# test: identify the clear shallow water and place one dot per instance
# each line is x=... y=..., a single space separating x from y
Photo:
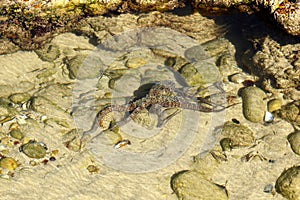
x=69 y=171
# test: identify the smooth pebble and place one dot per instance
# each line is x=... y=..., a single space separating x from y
x=254 y=106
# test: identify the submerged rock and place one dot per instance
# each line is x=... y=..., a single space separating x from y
x=34 y=149
x=48 y=53
x=294 y=140
x=7 y=109
x=288 y=183
x=72 y=140
x=277 y=66
x=290 y=112
x=19 y=97
x=235 y=136
x=254 y=106
x=8 y=163
x=192 y=185
x=80 y=67
x=45 y=106
x=17 y=134
x=274 y=104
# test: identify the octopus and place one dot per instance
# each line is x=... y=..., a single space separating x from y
x=160 y=95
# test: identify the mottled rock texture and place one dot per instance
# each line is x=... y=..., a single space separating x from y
x=31 y=24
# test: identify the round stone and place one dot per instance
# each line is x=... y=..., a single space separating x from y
x=254 y=106
x=34 y=149
x=8 y=163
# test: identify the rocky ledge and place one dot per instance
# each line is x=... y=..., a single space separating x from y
x=30 y=24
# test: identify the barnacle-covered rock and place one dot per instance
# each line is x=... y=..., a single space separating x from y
x=192 y=185
x=288 y=182
x=277 y=66
x=41 y=20
x=290 y=112
x=288 y=16
x=254 y=106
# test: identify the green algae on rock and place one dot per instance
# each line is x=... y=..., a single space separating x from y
x=192 y=185
x=46 y=73
x=254 y=106
x=288 y=182
x=226 y=144
x=34 y=149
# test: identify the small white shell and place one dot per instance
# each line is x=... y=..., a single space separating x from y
x=43 y=118
x=122 y=143
x=268 y=117
x=21 y=119
x=24 y=106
